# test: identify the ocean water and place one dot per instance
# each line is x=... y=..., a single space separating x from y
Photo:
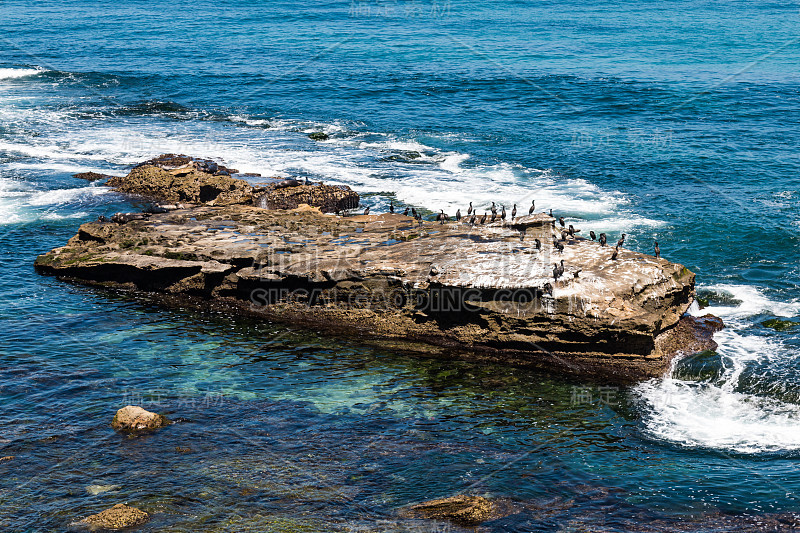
x=676 y=121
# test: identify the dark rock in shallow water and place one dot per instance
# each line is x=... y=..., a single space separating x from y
x=318 y=136
x=91 y=176
x=118 y=517
x=780 y=325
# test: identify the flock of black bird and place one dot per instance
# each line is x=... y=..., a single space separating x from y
x=472 y=214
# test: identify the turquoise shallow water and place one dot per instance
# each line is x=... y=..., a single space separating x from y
x=670 y=121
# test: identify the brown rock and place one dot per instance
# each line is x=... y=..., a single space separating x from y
x=118 y=517
x=6 y=458
x=193 y=186
x=133 y=419
x=91 y=176
x=463 y=510
x=328 y=198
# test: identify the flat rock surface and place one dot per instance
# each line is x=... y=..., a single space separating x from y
x=482 y=292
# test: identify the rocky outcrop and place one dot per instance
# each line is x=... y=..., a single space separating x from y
x=134 y=419
x=118 y=517
x=328 y=198
x=184 y=184
x=481 y=293
x=463 y=510
x=176 y=179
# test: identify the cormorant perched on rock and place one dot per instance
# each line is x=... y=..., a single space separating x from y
x=494 y=209
x=575 y=275
x=494 y=215
x=551 y=211
x=458 y=215
x=547 y=289
x=503 y=213
x=483 y=218
x=472 y=219
x=366 y=211
x=571 y=231
x=603 y=239
x=514 y=212
x=405 y=213
x=533 y=206
x=592 y=235
x=621 y=241
x=537 y=243
x=443 y=217
x=564 y=235
x=614 y=255
x=413 y=212
x=469 y=211
x=561 y=221
x=391 y=206
x=559 y=246
x=658 y=250
x=558 y=270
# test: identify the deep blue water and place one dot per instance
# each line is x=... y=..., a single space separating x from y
x=675 y=121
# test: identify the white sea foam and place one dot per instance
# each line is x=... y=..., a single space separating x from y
x=751 y=301
x=713 y=415
x=719 y=415
x=19 y=202
x=11 y=73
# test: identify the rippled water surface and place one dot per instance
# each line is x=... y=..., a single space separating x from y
x=676 y=122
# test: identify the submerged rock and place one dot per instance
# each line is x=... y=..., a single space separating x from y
x=463 y=510
x=94 y=490
x=120 y=516
x=318 y=136
x=134 y=419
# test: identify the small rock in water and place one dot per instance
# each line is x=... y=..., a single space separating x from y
x=6 y=458
x=94 y=490
x=461 y=509
x=318 y=136
x=91 y=176
x=780 y=325
x=118 y=517
x=132 y=419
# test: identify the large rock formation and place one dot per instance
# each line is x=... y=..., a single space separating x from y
x=447 y=290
